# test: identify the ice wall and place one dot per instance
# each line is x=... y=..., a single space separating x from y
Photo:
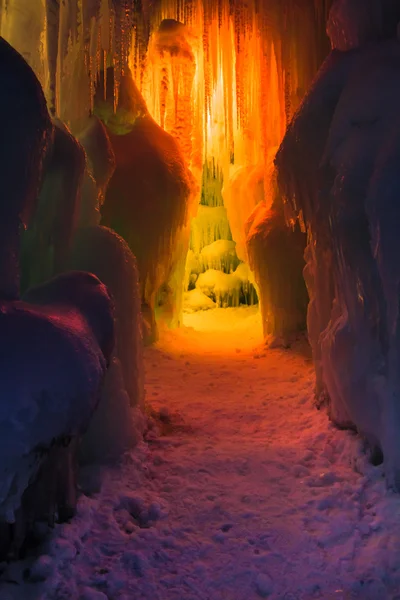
x=337 y=170
x=55 y=348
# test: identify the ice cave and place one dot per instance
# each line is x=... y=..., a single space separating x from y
x=199 y=304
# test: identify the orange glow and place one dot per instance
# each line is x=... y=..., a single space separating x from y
x=214 y=83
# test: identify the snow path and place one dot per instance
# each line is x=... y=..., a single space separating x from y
x=247 y=492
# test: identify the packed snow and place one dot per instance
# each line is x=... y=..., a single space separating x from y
x=241 y=490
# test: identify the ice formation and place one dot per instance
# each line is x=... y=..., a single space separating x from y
x=101 y=251
x=222 y=79
x=149 y=198
x=209 y=225
x=51 y=230
x=347 y=201
x=276 y=258
x=241 y=193
x=353 y=23
x=22 y=155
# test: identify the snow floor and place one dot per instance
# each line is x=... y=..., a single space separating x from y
x=243 y=490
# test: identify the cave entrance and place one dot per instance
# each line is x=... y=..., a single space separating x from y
x=219 y=288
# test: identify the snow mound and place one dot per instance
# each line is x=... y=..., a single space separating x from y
x=196 y=300
x=224 y=287
x=220 y=255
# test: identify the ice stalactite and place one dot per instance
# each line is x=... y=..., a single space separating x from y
x=336 y=169
x=168 y=81
x=199 y=64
